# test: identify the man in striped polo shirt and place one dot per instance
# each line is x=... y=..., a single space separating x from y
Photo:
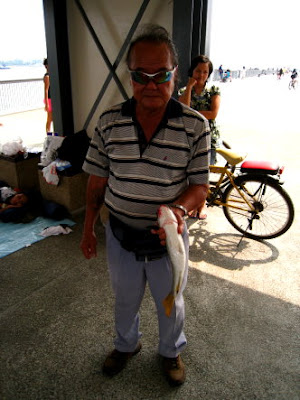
x=147 y=151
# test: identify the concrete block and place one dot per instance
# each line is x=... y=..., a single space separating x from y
x=19 y=172
x=70 y=191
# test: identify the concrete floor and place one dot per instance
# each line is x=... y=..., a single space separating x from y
x=242 y=303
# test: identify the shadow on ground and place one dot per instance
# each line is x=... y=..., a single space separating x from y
x=228 y=250
x=57 y=327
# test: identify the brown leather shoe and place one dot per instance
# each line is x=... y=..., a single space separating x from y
x=117 y=360
x=174 y=370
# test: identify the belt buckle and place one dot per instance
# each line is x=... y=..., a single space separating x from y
x=147 y=258
x=142 y=258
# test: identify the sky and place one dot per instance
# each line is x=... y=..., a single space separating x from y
x=22 y=30
x=256 y=33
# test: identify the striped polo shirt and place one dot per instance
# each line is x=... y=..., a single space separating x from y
x=142 y=176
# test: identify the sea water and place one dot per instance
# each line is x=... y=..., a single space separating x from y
x=22 y=72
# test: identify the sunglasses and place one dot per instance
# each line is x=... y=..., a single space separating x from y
x=160 y=77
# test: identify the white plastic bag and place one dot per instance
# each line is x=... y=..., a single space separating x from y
x=49 y=153
x=14 y=147
x=56 y=230
x=50 y=174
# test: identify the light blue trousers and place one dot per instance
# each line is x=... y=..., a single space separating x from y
x=129 y=278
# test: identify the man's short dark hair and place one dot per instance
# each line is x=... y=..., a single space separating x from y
x=45 y=62
x=152 y=33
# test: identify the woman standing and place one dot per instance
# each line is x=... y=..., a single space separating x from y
x=47 y=97
x=205 y=100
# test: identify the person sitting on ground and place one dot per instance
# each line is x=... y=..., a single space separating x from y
x=14 y=204
x=10 y=198
x=24 y=206
x=227 y=76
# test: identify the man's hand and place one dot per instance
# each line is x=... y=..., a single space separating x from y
x=95 y=195
x=88 y=245
x=161 y=232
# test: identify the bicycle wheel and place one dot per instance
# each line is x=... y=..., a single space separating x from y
x=274 y=210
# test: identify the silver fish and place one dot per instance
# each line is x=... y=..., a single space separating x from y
x=176 y=251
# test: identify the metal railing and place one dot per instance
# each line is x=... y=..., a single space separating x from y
x=21 y=95
x=249 y=73
x=25 y=95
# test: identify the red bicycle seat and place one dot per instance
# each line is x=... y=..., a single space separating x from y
x=263 y=167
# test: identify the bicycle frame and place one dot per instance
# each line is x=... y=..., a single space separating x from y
x=224 y=171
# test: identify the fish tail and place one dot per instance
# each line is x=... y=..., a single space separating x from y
x=168 y=303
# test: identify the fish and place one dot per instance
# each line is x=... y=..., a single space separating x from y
x=176 y=251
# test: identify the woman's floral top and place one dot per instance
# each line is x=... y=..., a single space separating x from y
x=202 y=102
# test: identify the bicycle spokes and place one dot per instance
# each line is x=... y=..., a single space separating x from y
x=270 y=213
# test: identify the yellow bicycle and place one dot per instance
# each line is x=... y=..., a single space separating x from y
x=252 y=196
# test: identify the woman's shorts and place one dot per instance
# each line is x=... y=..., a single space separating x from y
x=49 y=105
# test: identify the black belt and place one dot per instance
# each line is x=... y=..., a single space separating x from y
x=148 y=257
x=143 y=243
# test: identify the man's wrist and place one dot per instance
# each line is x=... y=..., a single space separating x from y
x=180 y=207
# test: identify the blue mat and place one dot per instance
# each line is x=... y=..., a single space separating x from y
x=16 y=236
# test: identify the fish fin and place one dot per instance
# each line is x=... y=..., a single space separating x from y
x=168 y=303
